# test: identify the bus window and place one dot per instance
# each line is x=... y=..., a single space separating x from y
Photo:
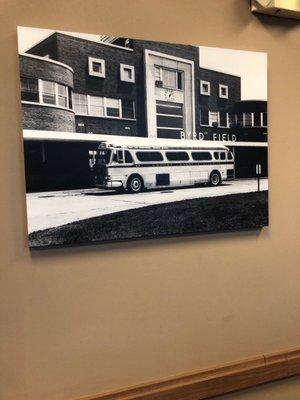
x=120 y=156
x=177 y=156
x=149 y=156
x=104 y=156
x=223 y=155
x=216 y=155
x=128 y=157
x=201 y=155
x=230 y=155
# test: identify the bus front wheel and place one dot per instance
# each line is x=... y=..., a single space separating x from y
x=215 y=178
x=135 y=184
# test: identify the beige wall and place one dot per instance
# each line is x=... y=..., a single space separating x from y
x=80 y=321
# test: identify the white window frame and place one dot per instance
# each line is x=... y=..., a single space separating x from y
x=210 y=117
x=122 y=73
x=40 y=90
x=219 y=123
x=223 y=96
x=104 y=108
x=244 y=120
x=177 y=71
x=201 y=88
x=98 y=61
x=262 y=120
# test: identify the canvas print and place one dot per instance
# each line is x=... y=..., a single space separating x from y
x=127 y=139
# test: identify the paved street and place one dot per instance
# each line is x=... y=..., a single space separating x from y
x=51 y=209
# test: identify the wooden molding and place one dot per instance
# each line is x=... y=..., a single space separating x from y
x=214 y=381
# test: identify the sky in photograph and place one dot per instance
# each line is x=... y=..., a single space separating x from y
x=249 y=65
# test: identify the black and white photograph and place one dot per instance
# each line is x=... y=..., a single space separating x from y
x=129 y=139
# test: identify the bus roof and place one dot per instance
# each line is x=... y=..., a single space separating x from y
x=160 y=144
x=219 y=147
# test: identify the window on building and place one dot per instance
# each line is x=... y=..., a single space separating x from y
x=223 y=91
x=264 y=119
x=177 y=156
x=48 y=92
x=223 y=119
x=29 y=89
x=247 y=119
x=213 y=118
x=97 y=106
x=128 y=109
x=96 y=67
x=70 y=98
x=257 y=119
x=80 y=104
x=201 y=155
x=204 y=117
x=149 y=156
x=240 y=119
x=232 y=119
x=112 y=107
x=205 y=88
x=168 y=78
x=62 y=95
x=127 y=73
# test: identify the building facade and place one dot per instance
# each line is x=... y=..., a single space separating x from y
x=129 y=88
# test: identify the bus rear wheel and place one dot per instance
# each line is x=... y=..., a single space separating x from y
x=215 y=178
x=135 y=184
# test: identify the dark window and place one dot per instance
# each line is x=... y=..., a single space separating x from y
x=177 y=156
x=204 y=118
x=112 y=107
x=70 y=97
x=216 y=155
x=97 y=67
x=29 y=89
x=179 y=80
x=232 y=119
x=104 y=156
x=169 y=122
x=166 y=107
x=127 y=109
x=149 y=156
x=265 y=120
x=223 y=118
x=240 y=119
x=128 y=157
x=230 y=155
x=223 y=155
x=201 y=155
x=257 y=119
x=112 y=112
x=120 y=156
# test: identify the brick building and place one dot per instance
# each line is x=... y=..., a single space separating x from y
x=121 y=87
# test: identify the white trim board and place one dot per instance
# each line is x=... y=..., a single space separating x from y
x=56 y=136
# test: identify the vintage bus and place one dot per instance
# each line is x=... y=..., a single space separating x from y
x=134 y=169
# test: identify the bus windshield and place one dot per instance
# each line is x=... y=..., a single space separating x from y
x=103 y=156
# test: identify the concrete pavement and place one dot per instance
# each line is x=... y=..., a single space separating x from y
x=52 y=209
